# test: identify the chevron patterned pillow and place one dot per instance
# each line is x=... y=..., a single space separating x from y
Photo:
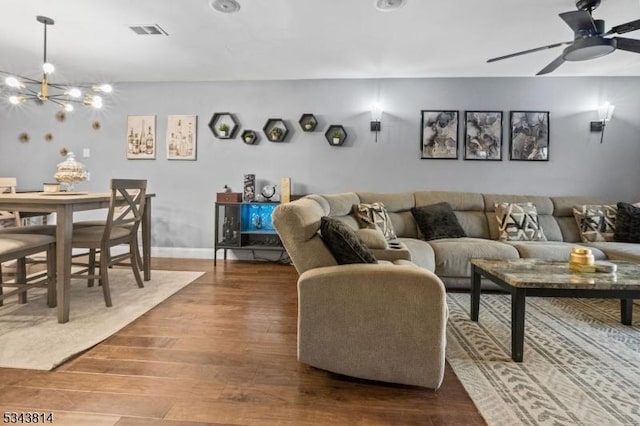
x=518 y=222
x=596 y=222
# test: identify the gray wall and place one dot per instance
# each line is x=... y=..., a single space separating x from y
x=183 y=208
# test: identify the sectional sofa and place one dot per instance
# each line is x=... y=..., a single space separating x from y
x=449 y=258
x=387 y=321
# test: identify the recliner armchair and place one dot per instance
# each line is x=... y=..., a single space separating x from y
x=384 y=321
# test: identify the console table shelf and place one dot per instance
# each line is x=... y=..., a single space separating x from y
x=245 y=226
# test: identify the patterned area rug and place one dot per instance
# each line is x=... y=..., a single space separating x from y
x=581 y=365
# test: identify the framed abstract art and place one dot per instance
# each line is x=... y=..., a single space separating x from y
x=439 y=134
x=483 y=135
x=529 y=139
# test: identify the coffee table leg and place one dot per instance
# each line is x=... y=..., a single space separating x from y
x=626 y=311
x=518 y=303
x=475 y=293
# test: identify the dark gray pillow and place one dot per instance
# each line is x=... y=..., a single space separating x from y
x=437 y=221
x=343 y=242
x=627 y=224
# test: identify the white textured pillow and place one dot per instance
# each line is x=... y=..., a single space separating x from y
x=518 y=222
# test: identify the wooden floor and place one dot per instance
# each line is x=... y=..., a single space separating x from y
x=221 y=351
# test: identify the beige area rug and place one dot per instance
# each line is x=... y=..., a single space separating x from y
x=31 y=338
x=581 y=365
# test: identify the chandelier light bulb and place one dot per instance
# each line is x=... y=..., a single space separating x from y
x=96 y=102
x=74 y=92
x=48 y=68
x=105 y=88
x=67 y=107
x=15 y=100
x=11 y=81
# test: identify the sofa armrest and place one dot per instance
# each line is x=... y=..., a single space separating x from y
x=375 y=321
x=395 y=250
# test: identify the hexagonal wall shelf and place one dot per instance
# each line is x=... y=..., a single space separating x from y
x=308 y=122
x=275 y=129
x=336 y=135
x=249 y=137
x=223 y=125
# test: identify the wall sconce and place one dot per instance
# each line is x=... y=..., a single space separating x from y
x=605 y=112
x=376 y=115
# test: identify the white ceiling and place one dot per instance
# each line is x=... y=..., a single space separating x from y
x=299 y=39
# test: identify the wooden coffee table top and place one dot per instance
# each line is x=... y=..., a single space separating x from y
x=536 y=273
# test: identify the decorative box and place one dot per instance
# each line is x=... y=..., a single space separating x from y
x=228 y=197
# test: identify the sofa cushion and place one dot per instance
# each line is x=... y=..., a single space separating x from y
x=374 y=215
x=597 y=222
x=421 y=253
x=343 y=242
x=627 y=224
x=437 y=221
x=518 y=222
x=549 y=250
x=468 y=207
x=452 y=254
x=617 y=251
x=372 y=238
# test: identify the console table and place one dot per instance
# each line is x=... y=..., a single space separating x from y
x=245 y=226
x=540 y=278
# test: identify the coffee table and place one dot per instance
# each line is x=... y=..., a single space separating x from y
x=541 y=278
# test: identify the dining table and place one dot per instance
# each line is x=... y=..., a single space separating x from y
x=64 y=204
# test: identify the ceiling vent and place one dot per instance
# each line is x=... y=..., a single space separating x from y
x=153 y=29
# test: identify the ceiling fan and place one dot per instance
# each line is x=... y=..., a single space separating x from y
x=589 y=38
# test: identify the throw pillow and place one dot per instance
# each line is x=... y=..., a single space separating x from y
x=518 y=222
x=374 y=215
x=627 y=224
x=343 y=242
x=596 y=222
x=437 y=221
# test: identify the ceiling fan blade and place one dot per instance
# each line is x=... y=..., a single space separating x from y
x=628 y=44
x=524 y=52
x=579 y=20
x=625 y=28
x=552 y=66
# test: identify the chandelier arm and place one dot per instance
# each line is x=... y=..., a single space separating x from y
x=61 y=86
x=56 y=102
x=29 y=92
x=27 y=79
x=57 y=98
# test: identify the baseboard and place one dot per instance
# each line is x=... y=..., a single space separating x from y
x=207 y=253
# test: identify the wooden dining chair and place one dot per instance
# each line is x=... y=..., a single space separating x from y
x=101 y=222
x=11 y=222
x=120 y=228
x=8 y=219
x=17 y=247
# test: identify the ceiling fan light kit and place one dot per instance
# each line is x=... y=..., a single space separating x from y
x=389 y=5
x=589 y=38
x=21 y=89
x=225 y=6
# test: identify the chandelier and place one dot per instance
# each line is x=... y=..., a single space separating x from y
x=21 y=89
